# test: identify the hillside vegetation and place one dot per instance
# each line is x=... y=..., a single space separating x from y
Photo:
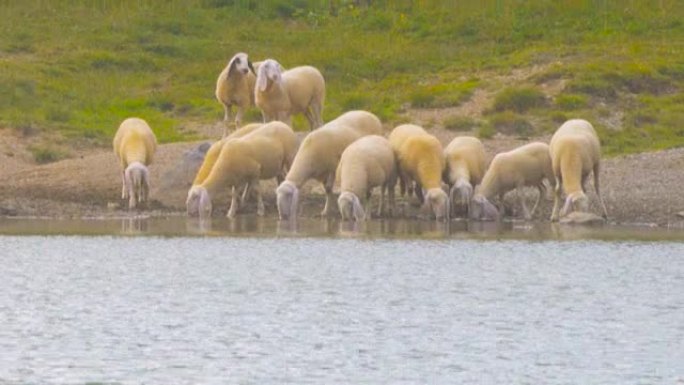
x=80 y=67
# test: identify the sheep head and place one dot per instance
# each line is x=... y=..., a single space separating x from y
x=192 y=201
x=270 y=71
x=438 y=202
x=483 y=209
x=287 y=195
x=350 y=207
x=464 y=190
x=136 y=178
x=576 y=201
x=240 y=62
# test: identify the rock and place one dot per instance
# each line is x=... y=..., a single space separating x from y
x=680 y=214
x=175 y=180
x=582 y=218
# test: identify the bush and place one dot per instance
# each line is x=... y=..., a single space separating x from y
x=519 y=99
x=569 y=102
x=459 y=123
x=46 y=154
x=511 y=124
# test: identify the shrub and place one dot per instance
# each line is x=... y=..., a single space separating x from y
x=511 y=124
x=459 y=123
x=519 y=99
x=569 y=102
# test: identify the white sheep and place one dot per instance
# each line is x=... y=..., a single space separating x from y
x=465 y=167
x=528 y=165
x=575 y=153
x=263 y=154
x=192 y=205
x=420 y=159
x=235 y=87
x=282 y=93
x=319 y=155
x=367 y=163
x=134 y=145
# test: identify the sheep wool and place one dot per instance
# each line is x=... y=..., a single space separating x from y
x=575 y=153
x=134 y=145
x=465 y=167
x=235 y=87
x=319 y=155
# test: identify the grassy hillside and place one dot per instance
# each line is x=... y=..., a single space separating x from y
x=80 y=67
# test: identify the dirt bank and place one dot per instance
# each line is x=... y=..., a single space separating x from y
x=638 y=189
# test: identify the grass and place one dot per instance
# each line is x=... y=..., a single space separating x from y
x=80 y=68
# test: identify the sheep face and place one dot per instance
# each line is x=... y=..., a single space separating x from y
x=137 y=183
x=350 y=207
x=483 y=209
x=287 y=195
x=269 y=72
x=575 y=202
x=240 y=62
x=192 y=202
x=204 y=206
x=438 y=202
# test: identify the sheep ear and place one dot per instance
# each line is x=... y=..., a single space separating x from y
x=262 y=78
x=294 y=202
x=251 y=67
x=359 y=214
x=231 y=63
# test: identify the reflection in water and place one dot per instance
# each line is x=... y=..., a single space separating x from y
x=252 y=225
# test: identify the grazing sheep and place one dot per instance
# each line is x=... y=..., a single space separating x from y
x=465 y=166
x=367 y=163
x=192 y=205
x=575 y=152
x=420 y=158
x=527 y=165
x=134 y=145
x=262 y=154
x=280 y=94
x=319 y=155
x=235 y=87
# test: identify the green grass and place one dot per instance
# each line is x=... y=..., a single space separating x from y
x=80 y=68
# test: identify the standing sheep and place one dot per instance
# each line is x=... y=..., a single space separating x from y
x=235 y=86
x=367 y=163
x=280 y=94
x=575 y=152
x=420 y=158
x=192 y=205
x=262 y=154
x=319 y=155
x=465 y=167
x=134 y=145
x=527 y=165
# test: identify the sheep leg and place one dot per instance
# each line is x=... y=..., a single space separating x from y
x=226 y=120
x=328 y=184
x=521 y=197
x=501 y=205
x=542 y=190
x=245 y=194
x=367 y=205
x=556 y=200
x=316 y=115
x=419 y=192
x=233 y=204
x=260 y=201
x=596 y=187
x=123 y=185
x=238 y=117
x=382 y=199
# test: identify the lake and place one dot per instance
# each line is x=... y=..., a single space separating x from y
x=152 y=300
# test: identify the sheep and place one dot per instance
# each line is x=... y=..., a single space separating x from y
x=319 y=155
x=134 y=145
x=280 y=94
x=192 y=205
x=235 y=86
x=420 y=158
x=261 y=154
x=575 y=152
x=367 y=163
x=527 y=165
x=465 y=166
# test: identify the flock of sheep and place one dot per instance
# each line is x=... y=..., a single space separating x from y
x=352 y=151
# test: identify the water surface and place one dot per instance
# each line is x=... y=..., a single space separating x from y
x=322 y=310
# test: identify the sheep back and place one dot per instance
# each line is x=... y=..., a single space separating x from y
x=575 y=150
x=134 y=141
x=304 y=84
x=526 y=165
x=366 y=163
x=465 y=158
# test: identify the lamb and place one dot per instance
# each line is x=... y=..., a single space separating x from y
x=280 y=94
x=575 y=152
x=262 y=154
x=465 y=166
x=134 y=145
x=192 y=205
x=420 y=158
x=367 y=163
x=235 y=87
x=319 y=155
x=528 y=165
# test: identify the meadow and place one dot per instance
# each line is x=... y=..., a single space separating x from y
x=72 y=70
